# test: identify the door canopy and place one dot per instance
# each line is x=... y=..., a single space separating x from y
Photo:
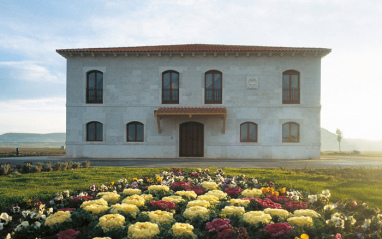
x=190 y=111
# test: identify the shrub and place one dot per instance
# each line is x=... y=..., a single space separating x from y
x=47 y=167
x=85 y=164
x=26 y=167
x=35 y=169
x=58 y=166
x=39 y=165
x=76 y=165
x=69 y=164
x=4 y=169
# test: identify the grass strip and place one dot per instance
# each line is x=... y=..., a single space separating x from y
x=361 y=184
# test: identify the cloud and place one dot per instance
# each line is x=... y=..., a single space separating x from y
x=30 y=71
x=33 y=116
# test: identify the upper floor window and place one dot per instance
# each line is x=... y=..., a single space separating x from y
x=94 y=87
x=213 y=87
x=170 y=87
x=291 y=87
x=291 y=132
x=134 y=132
x=248 y=132
x=94 y=131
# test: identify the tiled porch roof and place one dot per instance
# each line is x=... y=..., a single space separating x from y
x=192 y=110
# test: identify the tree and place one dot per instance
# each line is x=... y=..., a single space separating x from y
x=339 y=138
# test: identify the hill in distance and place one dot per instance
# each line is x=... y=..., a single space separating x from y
x=32 y=140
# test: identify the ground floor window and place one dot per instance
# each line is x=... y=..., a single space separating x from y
x=94 y=131
x=134 y=132
x=291 y=132
x=248 y=132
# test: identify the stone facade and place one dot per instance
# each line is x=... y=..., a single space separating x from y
x=251 y=92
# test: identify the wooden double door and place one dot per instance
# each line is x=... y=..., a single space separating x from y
x=191 y=139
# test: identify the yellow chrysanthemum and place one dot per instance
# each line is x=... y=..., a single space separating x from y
x=125 y=208
x=134 y=199
x=232 y=210
x=306 y=212
x=158 y=188
x=252 y=192
x=111 y=221
x=183 y=229
x=240 y=202
x=174 y=199
x=109 y=196
x=193 y=212
x=277 y=212
x=254 y=217
x=188 y=194
x=58 y=217
x=302 y=221
x=209 y=185
x=160 y=217
x=202 y=203
x=213 y=200
x=143 y=230
x=131 y=191
x=217 y=193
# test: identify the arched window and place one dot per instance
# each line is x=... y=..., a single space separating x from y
x=213 y=87
x=94 y=131
x=291 y=87
x=94 y=87
x=134 y=132
x=291 y=132
x=248 y=132
x=170 y=87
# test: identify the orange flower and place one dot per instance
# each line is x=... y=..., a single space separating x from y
x=283 y=191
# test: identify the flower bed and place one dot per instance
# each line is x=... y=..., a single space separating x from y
x=195 y=204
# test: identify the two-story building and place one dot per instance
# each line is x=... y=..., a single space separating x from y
x=194 y=100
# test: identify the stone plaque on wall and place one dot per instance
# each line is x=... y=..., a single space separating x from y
x=252 y=83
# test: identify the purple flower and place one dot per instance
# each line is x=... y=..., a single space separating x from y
x=68 y=234
x=127 y=185
x=218 y=225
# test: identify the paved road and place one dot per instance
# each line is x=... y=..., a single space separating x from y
x=325 y=162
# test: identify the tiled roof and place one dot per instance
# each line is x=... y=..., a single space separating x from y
x=190 y=110
x=195 y=48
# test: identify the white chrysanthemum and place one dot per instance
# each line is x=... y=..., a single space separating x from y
x=183 y=229
x=109 y=196
x=209 y=185
x=306 y=212
x=160 y=217
x=189 y=194
x=193 y=212
x=239 y=202
x=213 y=200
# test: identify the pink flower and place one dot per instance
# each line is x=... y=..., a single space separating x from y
x=268 y=203
x=233 y=192
x=196 y=189
x=278 y=229
x=292 y=206
x=226 y=234
x=177 y=186
x=163 y=205
x=338 y=236
x=218 y=225
x=279 y=199
x=68 y=234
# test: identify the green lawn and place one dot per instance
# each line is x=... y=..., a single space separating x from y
x=361 y=184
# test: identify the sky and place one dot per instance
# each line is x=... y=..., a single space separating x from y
x=33 y=75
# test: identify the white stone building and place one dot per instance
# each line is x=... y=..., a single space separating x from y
x=197 y=100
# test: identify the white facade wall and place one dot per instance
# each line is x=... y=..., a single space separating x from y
x=132 y=91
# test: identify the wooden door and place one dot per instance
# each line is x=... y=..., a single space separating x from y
x=191 y=139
